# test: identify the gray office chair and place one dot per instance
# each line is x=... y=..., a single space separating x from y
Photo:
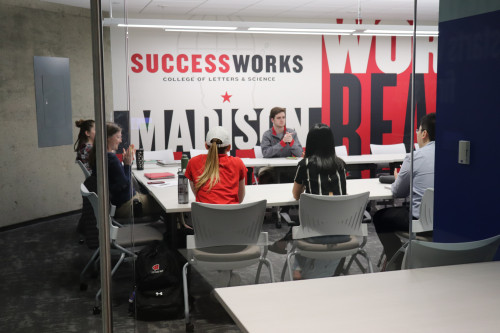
x=398 y=148
x=125 y=241
x=430 y=254
x=166 y=155
x=196 y=152
x=226 y=237
x=86 y=172
x=322 y=215
x=421 y=228
x=341 y=151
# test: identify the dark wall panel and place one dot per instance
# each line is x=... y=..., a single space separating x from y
x=468 y=104
x=53 y=101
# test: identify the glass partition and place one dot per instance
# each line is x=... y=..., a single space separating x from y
x=465 y=77
x=175 y=76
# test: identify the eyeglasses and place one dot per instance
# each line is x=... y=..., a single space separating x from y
x=418 y=130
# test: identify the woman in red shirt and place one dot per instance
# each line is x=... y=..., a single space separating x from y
x=216 y=177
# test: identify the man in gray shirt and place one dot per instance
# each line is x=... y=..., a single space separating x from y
x=279 y=141
x=389 y=220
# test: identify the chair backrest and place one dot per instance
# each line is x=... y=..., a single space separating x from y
x=322 y=215
x=92 y=197
x=219 y=225
x=162 y=155
x=258 y=152
x=430 y=254
x=426 y=218
x=341 y=150
x=196 y=152
x=177 y=155
x=245 y=153
x=86 y=172
x=388 y=149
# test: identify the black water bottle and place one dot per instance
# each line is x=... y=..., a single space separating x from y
x=182 y=188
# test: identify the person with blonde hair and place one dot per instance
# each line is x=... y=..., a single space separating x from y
x=216 y=177
x=85 y=141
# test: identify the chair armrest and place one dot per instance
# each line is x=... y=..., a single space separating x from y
x=364 y=229
x=190 y=242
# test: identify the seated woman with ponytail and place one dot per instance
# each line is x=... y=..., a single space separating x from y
x=217 y=178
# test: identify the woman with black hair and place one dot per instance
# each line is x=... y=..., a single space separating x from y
x=321 y=172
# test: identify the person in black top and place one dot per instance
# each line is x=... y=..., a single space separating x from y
x=321 y=171
x=122 y=193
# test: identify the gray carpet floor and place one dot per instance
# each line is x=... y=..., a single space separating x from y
x=41 y=292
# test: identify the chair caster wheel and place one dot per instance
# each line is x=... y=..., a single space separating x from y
x=96 y=310
x=81 y=241
x=83 y=286
x=278 y=225
x=189 y=327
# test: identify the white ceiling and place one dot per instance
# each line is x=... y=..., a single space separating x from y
x=307 y=11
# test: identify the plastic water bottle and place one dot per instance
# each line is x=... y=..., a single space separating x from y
x=182 y=188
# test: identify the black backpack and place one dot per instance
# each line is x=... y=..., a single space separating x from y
x=158 y=294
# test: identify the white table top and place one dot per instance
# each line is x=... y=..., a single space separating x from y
x=349 y=160
x=461 y=298
x=276 y=194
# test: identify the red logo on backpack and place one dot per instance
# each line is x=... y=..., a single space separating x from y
x=156 y=267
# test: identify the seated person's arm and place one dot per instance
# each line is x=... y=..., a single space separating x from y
x=191 y=183
x=401 y=186
x=268 y=149
x=295 y=146
x=241 y=190
x=297 y=190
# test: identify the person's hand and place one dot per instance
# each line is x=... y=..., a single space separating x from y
x=288 y=137
x=128 y=155
x=396 y=172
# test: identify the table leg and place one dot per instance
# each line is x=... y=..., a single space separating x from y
x=171 y=234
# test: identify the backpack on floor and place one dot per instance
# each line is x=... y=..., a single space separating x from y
x=158 y=294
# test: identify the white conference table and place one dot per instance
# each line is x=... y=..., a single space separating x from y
x=461 y=298
x=275 y=194
x=349 y=160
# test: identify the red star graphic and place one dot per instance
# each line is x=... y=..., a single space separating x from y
x=226 y=97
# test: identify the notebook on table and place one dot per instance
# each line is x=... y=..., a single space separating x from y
x=159 y=175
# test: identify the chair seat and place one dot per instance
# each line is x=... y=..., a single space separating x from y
x=352 y=244
x=227 y=253
x=137 y=235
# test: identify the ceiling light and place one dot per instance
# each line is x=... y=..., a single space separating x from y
x=379 y=32
x=179 y=27
x=198 y=27
x=303 y=30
